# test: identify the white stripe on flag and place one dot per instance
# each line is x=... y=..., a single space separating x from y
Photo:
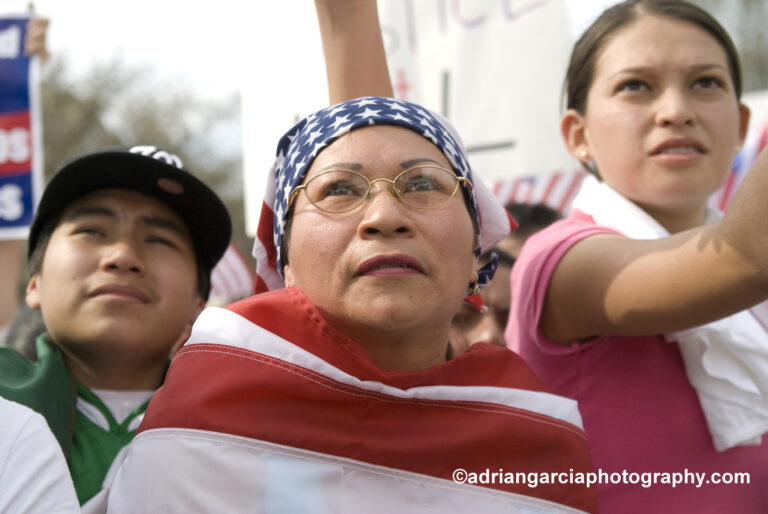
x=168 y=467
x=231 y=279
x=221 y=326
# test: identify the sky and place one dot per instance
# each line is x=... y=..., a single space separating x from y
x=215 y=47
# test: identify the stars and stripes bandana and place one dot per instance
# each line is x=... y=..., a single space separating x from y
x=298 y=148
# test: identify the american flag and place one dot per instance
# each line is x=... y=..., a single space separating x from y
x=555 y=190
x=267 y=408
x=232 y=279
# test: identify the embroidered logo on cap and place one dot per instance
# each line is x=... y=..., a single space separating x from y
x=166 y=184
x=160 y=155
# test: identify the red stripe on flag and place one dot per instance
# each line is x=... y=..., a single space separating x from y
x=727 y=190
x=264 y=234
x=259 y=286
x=513 y=194
x=550 y=186
x=763 y=139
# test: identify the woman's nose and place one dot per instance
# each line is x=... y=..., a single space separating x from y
x=675 y=108
x=384 y=213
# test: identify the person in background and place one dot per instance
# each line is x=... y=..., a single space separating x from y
x=474 y=323
x=483 y=317
x=120 y=254
x=530 y=219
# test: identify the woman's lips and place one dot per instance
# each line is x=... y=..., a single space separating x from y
x=389 y=265
x=678 y=151
x=679 y=146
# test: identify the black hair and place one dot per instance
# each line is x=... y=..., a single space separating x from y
x=531 y=218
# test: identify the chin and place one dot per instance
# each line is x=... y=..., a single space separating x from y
x=403 y=310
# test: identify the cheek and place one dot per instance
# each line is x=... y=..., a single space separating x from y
x=66 y=263
x=609 y=128
x=725 y=123
x=316 y=246
x=176 y=278
x=455 y=238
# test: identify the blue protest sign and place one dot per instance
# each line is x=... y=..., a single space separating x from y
x=20 y=149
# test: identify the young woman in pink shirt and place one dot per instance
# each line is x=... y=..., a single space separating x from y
x=638 y=305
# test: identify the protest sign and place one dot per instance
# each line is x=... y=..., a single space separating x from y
x=20 y=141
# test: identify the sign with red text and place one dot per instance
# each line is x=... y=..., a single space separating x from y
x=20 y=147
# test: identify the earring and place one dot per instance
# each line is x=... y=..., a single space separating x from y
x=583 y=153
x=473 y=288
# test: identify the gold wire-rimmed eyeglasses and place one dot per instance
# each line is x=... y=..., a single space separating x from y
x=421 y=187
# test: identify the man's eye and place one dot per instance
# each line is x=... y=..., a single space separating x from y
x=161 y=240
x=91 y=231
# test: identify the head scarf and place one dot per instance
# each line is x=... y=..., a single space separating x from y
x=298 y=148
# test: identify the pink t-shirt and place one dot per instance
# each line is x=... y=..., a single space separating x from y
x=640 y=413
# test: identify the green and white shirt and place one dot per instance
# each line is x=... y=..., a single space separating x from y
x=101 y=432
x=91 y=426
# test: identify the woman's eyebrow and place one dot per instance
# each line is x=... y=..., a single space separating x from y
x=414 y=162
x=648 y=69
x=354 y=166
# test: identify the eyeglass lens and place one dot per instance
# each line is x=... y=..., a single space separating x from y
x=422 y=187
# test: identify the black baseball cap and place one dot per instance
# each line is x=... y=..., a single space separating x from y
x=153 y=172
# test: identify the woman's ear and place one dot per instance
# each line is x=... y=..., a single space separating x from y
x=290 y=280
x=744 y=115
x=574 y=133
x=473 y=276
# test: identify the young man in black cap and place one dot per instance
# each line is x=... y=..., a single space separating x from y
x=120 y=256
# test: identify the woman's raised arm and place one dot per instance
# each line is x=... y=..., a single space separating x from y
x=355 y=62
